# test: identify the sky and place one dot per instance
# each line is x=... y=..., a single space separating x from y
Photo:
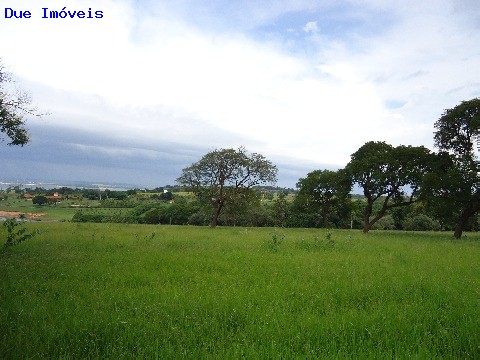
x=148 y=89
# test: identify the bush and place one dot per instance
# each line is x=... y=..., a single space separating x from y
x=421 y=222
x=16 y=236
x=83 y=217
x=40 y=200
x=175 y=214
x=199 y=219
x=385 y=223
x=151 y=216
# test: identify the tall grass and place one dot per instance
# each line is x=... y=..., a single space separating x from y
x=122 y=291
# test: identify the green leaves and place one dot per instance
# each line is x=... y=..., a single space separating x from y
x=323 y=191
x=457 y=129
x=12 y=107
x=16 y=232
x=454 y=189
x=392 y=175
x=221 y=175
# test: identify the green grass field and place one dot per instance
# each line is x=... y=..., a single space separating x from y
x=123 y=291
x=62 y=211
x=59 y=212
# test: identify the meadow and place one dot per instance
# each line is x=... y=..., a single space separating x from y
x=121 y=291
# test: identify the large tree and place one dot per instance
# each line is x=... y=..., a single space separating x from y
x=220 y=176
x=457 y=132
x=323 y=191
x=390 y=176
x=14 y=104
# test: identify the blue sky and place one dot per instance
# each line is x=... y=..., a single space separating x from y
x=148 y=89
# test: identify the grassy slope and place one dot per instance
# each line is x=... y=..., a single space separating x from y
x=109 y=290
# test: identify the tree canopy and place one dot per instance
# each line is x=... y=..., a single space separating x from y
x=221 y=175
x=322 y=191
x=12 y=108
x=387 y=174
x=456 y=185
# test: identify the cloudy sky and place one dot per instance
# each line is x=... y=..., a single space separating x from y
x=146 y=90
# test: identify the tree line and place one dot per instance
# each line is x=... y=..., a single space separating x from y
x=445 y=182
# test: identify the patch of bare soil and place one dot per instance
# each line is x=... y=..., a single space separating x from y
x=17 y=214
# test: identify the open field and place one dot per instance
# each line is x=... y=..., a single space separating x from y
x=62 y=211
x=59 y=212
x=110 y=290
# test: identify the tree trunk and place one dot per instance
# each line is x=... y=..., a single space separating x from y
x=324 y=212
x=216 y=214
x=366 y=220
x=367 y=227
x=469 y=211
x=325 y=220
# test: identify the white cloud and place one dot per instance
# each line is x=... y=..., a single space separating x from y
x=310 y=27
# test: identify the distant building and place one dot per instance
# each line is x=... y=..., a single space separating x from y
x=54 y=198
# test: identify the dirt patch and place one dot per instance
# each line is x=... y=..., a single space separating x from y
x=17 y=214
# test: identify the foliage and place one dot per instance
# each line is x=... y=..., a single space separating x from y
x=239 y=208
x=387 y=222
x=325 y=193
x=91 y=194
x=117 y=195
x=16 y=232
x=97 y=216
x=13 y=106
x=456 y=185
x=275 y=240
x=457 y=129
x=387 y=174
x=221 y=176
x=165 y=196
x=81 y=216
x=175 y=214
x=114 y=203
x=40 y=200
x=421 y=222
x=280 y=209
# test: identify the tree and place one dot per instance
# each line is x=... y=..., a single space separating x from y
x=221 y=175
x=457 y=131
x=322 y=191
x=240 y=208
x=389 y=175
x=280 y=209
x=40 y=200
x=12 y=109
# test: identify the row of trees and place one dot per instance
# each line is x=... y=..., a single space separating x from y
x=445 y=182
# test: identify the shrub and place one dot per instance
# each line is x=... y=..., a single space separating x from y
x=40 y=200
x=16 y=236
x=421 y=222
x=83 y=217
x=385 y=223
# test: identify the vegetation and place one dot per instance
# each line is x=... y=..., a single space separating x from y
x=225 y=176
x=16 y=232
x=99 y=290
x=457 y=184
x=386 y=174
x=116 y=291
x=229 y=187
x=12 y=109
x=324 y=193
